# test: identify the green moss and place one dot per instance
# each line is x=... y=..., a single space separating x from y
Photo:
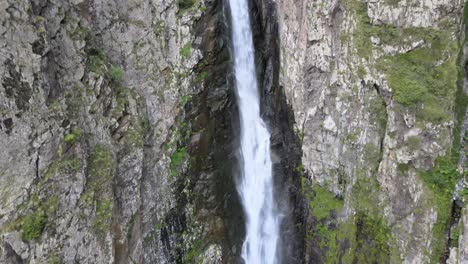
x=323 y=202
x=80 y=33
x=73 y=136
x=441 y=181
x=413 y=143
x=54 y=260
x=185 y=4
x=378 y=113
x=393 y=3
x=184 y=99
x=32 y=225
x=130 y=225
x=363 y=238
x=373 y=239
x=186 y=50
x=159 y=27
x=100 y=170
x=455 y=236
x=65 y=165
x=122 y=99
x=95 y=61
x=402 y=169
x=420 y=82
x=75 y=101
x=103 y=218
x=352 y=137
x=116 y=74
x=371 y=154
x=361 y=72
x=201 y=77
x=365 y=194
x=193 y=255
x=70 y=138
x=177 y=160
x=134 y=138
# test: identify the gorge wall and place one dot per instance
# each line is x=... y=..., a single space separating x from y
x=119 y=130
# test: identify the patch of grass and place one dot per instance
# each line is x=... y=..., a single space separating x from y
x=159 y=27
x=413 y=143
x=134 y=138
x=177 y=160
x=393 y=3
x=100 y=170
x=422 y=80
x=442 y=178
x=201 y=76
x=65 y=165
x=184 y=99
x=103 y=218
x=116 y=74
x=130 y=225
x=193 y=255
x=371 y=154
x=75 y=101
x=372 y=239
x=361 y=72
x=455 y=236
x=185 y=4
x=32 y=225
x=54 y=260
x=95 y=61
x=186 y=50
x=80 y=33
x=378 y=113
x=441 y=181
x=73 y=136
x=323 y=202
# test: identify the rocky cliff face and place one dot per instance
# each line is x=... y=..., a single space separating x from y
x=95 y=101
x=374 y=89
x=119 y=130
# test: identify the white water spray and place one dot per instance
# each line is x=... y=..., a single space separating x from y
x=256 y=184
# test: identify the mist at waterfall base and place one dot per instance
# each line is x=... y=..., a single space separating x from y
x=255 y=185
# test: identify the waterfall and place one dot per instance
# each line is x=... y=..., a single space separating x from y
x=255 y=185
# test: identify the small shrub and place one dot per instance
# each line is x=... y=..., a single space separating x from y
x=33 y=225
x=116 y=74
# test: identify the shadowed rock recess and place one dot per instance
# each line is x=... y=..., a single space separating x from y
x=119 y=130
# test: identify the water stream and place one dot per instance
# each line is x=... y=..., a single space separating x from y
x=255 y=186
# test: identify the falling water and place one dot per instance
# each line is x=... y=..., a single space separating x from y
x=256 y=184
